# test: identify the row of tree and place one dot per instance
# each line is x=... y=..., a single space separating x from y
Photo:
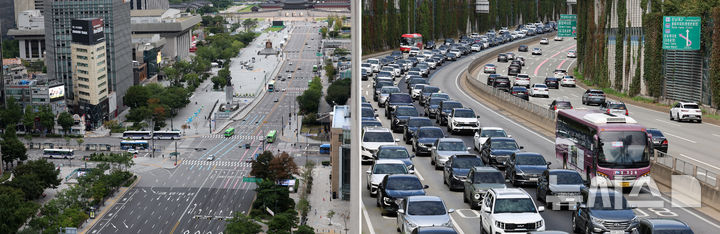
x=309 y=100
x=155 y=102
x=30 y=180
x=34 y=119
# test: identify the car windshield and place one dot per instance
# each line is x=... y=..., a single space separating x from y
x=451 y=105
x=618 y=106
x=430 y=89
x=419 y=122
x=624 y=149
x=365 y=65
x=400 y=98
x=426 y=208
x=440 y=95
x=566 y=177
x=419 y=86
x=540 y=86
x=655 y=133
x=390 y=168
x=493 y=133
x=514 y=205
x=406 y=112
x=530 y=160
x=384 y=74
x=404 y=183
x=373 y=61
x=491 y=177
x=464 y=114
x=371 y=124
x=436 y=101
x=467 y=162
x=563 y=105
x=451 y=146
x=394 y=153
x=390 y=90
x=503 y=145
x=378 y=137
x=691 y=106
x=368 y=113
x=430 y=133
x=604 y=201
x=417 y=81
x=519 y=89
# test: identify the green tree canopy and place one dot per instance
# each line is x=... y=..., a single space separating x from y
x=260 y=165
x=242 y=224
x=14 y=209
x=282 y=167
x=136 y=96
x=45 y=171
x=65 y=120
x=338 y=92
x=282 y=223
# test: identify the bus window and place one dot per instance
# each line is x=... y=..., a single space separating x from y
x=229 y=132
x=271 y=136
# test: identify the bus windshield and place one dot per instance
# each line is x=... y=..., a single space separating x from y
x=621 y=149
x=409 y=41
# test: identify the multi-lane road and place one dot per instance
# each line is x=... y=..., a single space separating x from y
x=198 y=195
x=465 y=220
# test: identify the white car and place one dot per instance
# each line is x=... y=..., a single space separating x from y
x=374 y=64
x=686 y=111
x=544 y=41
x=572 y=54
x=391 y=70
x=416 y=90
x=522 y=80
x=422 y=211
x=211 y=157
x=489 y=68
x=567 y=81
x=427 y=54
x=463 y=119
x=132 y=151
x=372 y=139
x=456 y=52
x=510 y=210
x=414 y=51
x=380 y=169
x=431 y=63
x=485 y=133
x=559 y=74
x=558 y=38
x=537 y=51
x=475 y=47
x=539 y=90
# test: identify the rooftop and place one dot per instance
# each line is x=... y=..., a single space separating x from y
x=341 y=117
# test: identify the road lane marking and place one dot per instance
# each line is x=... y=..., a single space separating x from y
x=367 y=218
x=457 y=227
x=691 y=141
x=417 y=173
x=561 y=63
x=667 y=122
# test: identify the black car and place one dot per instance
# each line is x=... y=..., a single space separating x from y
x=450 y=57
x=502 y=83
x=491 y=78
x=521 y=92
x=368 y=113
x=416 y=80
x=424 y=139
x=601 y=212
x=412 y=125
x=457 y=167
x=426 y=92
x=514 y=69
x=659 y=141
x=497 y=150
x=525 y=168
x=431 y=106
x=449 y=41
x=523 y=48
x=444 y=110
x=430 y=45
x=663 y=225
x=400 y=116
x=396 y=55
x=552 y=82
x=398 y=186
x=502 y=58
x=364 y=74
x=559 y=186
x=378 y=87
x=395 y=100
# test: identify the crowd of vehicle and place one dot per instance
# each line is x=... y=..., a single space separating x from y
x=418 y=111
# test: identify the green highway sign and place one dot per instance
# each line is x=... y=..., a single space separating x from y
x=252 y=179
x=681 y=33
x=567 y=26
x=319 y=54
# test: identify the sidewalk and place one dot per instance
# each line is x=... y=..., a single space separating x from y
x=321 y=203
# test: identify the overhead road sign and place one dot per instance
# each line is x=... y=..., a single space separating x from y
x=567 y=26
x=681 y=33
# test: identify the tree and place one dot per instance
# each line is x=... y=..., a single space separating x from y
x=273 y=196
x=28 y=120
x=330 y=70
x=80 y=141
x=260 y=165
x=330 y=215
x=136 y=96
x=249 y=24
x=175 y=98
x=65 y=120
x=10 y=49
x=138 y=114
x=12 y=113
x=282 y=223
x=44 y=170
x=242 y=224
x=30 y=184
x=304 y=229
x=46 y=118
x=338 y=92
x=14 y=210
x=12 y=148
x=323 y=32
x=282 y=167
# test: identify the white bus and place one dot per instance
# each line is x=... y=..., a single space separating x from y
x=59 y=153
x=166 y=135
x=136 y=135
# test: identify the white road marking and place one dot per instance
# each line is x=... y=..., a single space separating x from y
x=682 y=138
x=691 y=158
x=367 y=218
x=417 y=173
x=457 y=227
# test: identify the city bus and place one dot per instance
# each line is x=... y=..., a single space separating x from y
x=136 y=135
x=315 y=68
x=134 y=145
x=229 y=132
x=271 y=136
x=271 y=86
x=59 y=153
x=610 y=150
x=166 y=135
x=410 y=40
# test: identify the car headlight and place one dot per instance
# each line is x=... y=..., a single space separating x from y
x=500 y=225
x=477 y=196
x=455 y=122
x=411 y=225
x=387 y=200
x=596 y=220
x=538 y=224
x=520 y=173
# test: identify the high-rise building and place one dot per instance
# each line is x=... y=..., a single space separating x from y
x=149 y=4
x=115 y=15
x=89 y=69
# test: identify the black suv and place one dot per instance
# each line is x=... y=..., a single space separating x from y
x=444 y=110
x=400 y=116
x=502 y=58
x=426 y=92
x=604 y=214
x=412 y=125
x=525 y=168
x=502 y=83
x=398 y=186
x=659 y=141
x=395 y=100
x=457 y=167
x=514 y=69
x=491 y=78
x=552 y=82
x=497 y=150
x=520 y=92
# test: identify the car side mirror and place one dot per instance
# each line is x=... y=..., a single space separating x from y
x=426 y=186
x=411 y=171
x=509 y=136
x=451 y=211
x=486 y=209
x=368 y=172
x=522 y=147
x=468 y=148
x=397 y=139
x=401 y=211
x=548 y=163
x=541 y=208
x=433 y=148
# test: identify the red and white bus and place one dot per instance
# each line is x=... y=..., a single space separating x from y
x=410 y=40
x=612 y=150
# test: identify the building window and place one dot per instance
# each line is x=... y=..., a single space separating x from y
x=100 y=48
x=101 y=77
x=80 y=50
x=101 y=69
x=83 y=86
x=84 y=100
x=84 y=93
x=82 y=57
x=101 y=63
x=82 y=71
x=82 y=64
x=100 y=55
x=83 y=79
x=102 y=84
x=102 y=91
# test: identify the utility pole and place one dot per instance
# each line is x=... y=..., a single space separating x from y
x=175 y=140
x=152 y=136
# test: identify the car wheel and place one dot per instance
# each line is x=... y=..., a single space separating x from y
x=677 y=117
x=671 y=117
x=377 y=201
x=587 y=228
x=699 y=121
x=432 y=161
x=465 y=199
x=514 y=182
x=575 y=228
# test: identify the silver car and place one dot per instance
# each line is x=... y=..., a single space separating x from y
x=444 y=148
x=385 y=92
x=422 y=211
x=380 y=169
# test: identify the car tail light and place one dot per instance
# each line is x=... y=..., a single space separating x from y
x=626 y=113
x=608 y=111
x=555 y=108
x=665 y=142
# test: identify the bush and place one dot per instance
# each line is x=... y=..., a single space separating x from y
x=310 y=119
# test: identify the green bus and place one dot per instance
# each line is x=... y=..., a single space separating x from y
x=271 y=136
x=315 y=68
x=229 y=132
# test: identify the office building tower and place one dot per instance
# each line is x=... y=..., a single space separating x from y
x=89 y=70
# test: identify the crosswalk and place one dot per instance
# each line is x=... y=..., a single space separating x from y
x=217 y=163
x=234 y=137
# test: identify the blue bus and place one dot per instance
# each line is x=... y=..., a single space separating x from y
x=134 y=145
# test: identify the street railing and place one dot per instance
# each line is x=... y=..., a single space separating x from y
x=683 y=167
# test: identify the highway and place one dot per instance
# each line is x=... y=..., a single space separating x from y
x=198 y=195
x=466 y=220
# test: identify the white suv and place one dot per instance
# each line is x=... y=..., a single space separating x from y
x=506 y=210
x=372 y=139
x=686 y=111
x=374 y=64
x=463 y=119
x=485 y=133
x=522 y=80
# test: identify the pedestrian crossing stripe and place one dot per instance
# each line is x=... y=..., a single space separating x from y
x=217 y=163
x=235 y=137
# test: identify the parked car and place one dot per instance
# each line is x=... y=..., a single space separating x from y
x=559 y=186
x=457 y=167
x=479 y=180
x=497 y=150
x=659 y=141
x=601 y=212
x=593 y=96
x=422 y=211
x=506 y=210
x=444 y=148
x=663 y=225
x=686 y=111
x=380 y=169
x=394 y=187
x=525 y=168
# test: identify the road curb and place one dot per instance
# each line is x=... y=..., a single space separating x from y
x=102 y=213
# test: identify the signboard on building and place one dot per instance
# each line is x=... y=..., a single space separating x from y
x=87 y=31
x=567 y=26
x=277 y=23
x=681 y=33
x=57 y=92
